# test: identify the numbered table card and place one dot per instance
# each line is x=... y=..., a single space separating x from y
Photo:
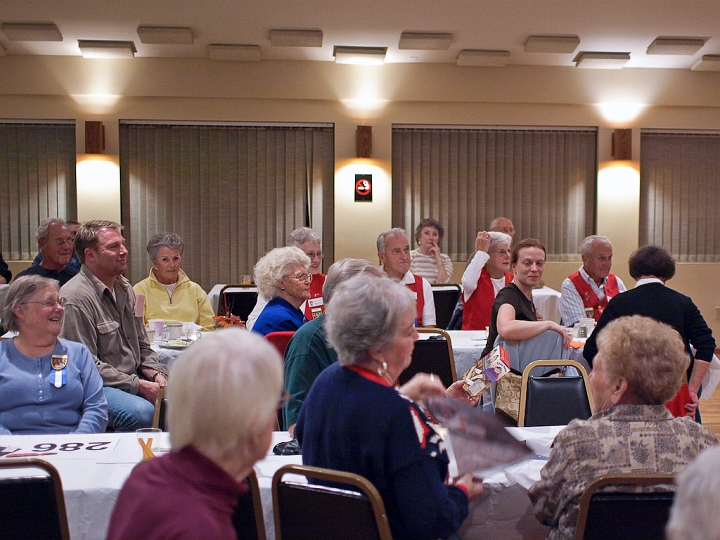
x=58 y=446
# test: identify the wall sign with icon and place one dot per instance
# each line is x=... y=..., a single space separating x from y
x=363 y=187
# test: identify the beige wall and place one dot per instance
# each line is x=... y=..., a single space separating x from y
x=202 y=90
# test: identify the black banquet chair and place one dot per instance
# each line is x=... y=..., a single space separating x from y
x=432 y=355
x=32 y=504
x=238 y=300
x=446 y=296
x=624 y=513
x=554 y=401
x=248 y=516
x=313 y=511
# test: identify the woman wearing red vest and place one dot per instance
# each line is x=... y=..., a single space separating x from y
x=485 y=275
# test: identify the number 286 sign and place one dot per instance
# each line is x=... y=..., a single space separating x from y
x=363 y=187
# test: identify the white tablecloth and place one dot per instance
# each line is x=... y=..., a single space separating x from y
x=546 y=302
x=92 y=480
x=214 y=296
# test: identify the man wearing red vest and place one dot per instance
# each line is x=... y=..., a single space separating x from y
x=586 y=292
x=394 y=254
x=487 y=273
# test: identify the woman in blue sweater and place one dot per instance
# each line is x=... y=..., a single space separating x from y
x=355 y=420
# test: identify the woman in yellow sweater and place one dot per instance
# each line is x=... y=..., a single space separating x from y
x=169 y=293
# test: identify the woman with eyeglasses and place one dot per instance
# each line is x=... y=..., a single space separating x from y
x=310 y=243
x=487 y=273
x=49 y=385
x=283 y=276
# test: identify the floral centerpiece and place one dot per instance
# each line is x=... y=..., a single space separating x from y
x=227 y=321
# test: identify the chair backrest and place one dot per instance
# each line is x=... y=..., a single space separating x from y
x=434 y=355
x=248 y=515
x=312 y=511
x=446 y=296
x=160 y=415
x=626 y=514
x=280 y=340
x=238 y=300
x=32 y=505
x=554 y=401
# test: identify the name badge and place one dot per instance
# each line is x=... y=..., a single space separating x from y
x=59 y=363
x=315 y=302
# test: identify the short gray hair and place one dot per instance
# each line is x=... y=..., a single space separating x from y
x=164 y=239
x=694 y=513
x=273 y=267
x=499 y=239
x=18 y=293
x=383 y=236
x=223 y=390
x=301 y=235
x=45 y=224
x=343 y=270
x=588 y=243
x=364 y=316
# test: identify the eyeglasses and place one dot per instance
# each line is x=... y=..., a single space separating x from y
x=50 y=302
x=302 y=277
x=61 y=241
x=312 y=255
x=502 y=252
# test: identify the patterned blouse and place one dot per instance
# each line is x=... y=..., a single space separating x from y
x=624 y=438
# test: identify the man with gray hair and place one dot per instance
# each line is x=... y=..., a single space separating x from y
x=394 y=254
x=56 y=250
x=586 y=292
x=308 y=352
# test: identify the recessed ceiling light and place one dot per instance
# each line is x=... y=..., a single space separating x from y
x=372 y=56
x=707 y=62
x=473 y=57
x=675 y=45
x=32 y=31
x=552 y=44
x=296 y=38
x=601 y=60
x=165 y=35
x=238 y=53
x=106 y=49
x=425 y=41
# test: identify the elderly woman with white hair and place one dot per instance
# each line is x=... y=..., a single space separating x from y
x=311 y=244
x=486 y=273
x=355 y=420
x=47 y=384
x=282 y=276
x=169 y=293
x=638 y=367
x=222 y=409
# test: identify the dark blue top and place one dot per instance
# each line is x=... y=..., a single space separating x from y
x=353 y=422
x=63 y=276
x=279 y=315
x=74 y=264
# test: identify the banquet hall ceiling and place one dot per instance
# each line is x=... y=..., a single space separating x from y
x=627 y=26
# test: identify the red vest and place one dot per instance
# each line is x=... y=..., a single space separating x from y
x=588 y=296
x=417 y=288
x=477 y=310
x=315 y=306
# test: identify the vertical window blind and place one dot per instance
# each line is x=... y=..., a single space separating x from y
x=37 y=179
x=680 y=193
x=233 y=192
x=542 y=179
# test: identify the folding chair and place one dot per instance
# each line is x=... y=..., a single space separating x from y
x=554 y=401
x=238 y=300
x=248 y=516
x=434 y=355
x=312 y=511
x=160 y=415
x=627 y=514
x=32 y=505
x=446 y=296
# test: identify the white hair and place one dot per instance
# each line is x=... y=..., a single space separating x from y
x=695 y=514
x=222 y=391
x=383 y=236
x=364 y=315
x=274 y=266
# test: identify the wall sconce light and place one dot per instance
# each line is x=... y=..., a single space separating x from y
x=368 y=56
x=622 y=144
x=363 y=141
x=106 y=49
x=94 y=137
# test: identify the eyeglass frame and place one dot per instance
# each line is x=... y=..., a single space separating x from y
x=49 y=302
x=312 y=255
x=300 y=278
